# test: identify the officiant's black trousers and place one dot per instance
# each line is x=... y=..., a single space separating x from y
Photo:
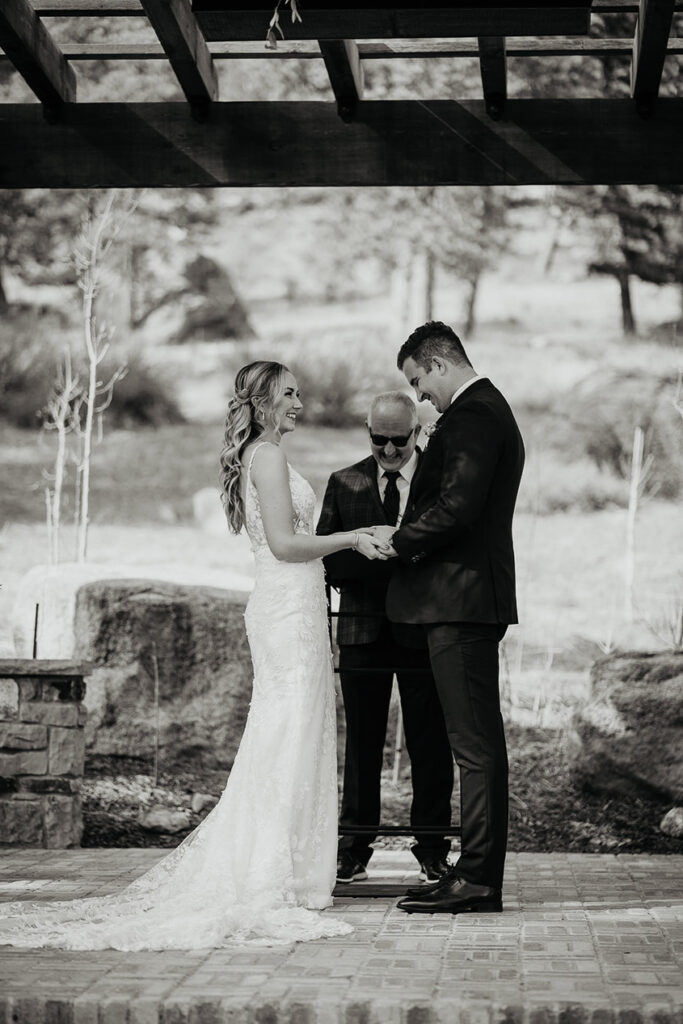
x=366 y=694
x=464 y=659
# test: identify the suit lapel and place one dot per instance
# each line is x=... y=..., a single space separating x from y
x=483 y=382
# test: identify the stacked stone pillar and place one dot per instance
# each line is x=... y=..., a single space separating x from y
x=42 y=753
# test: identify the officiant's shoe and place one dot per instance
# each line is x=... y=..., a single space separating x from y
x=433 y=869
x=455 y=896
x=450 y=871
x=349 y=869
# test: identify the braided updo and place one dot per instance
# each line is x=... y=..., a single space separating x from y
x=258 y=386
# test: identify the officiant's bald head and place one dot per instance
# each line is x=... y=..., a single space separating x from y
x=393 y=429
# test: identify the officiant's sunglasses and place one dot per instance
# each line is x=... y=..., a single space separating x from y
x=398 y=441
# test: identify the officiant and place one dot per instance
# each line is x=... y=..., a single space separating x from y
x=372 y=650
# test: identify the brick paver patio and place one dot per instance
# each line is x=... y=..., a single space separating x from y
x=584 y=938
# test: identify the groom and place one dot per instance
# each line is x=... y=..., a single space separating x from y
x=456 y=576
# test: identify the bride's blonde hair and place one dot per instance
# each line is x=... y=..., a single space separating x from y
x=258 y=386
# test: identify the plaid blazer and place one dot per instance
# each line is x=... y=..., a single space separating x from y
x=352 y=500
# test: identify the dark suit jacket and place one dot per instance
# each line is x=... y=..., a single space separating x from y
x=351 y=501
x=455 y=546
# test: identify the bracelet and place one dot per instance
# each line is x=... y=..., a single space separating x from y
x=356 y=541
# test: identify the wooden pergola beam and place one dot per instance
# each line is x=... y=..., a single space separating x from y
x=649 y=51
x=223 y=20
x=412 y=142
x=132 y=8
x=35 y=54
x=345 y=73
x=493 y=68
x=185 y=47
x=396 y=49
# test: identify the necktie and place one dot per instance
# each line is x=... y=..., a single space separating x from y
x=392 y=501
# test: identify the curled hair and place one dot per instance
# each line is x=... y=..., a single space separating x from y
x=251 y=411
x=432 y=339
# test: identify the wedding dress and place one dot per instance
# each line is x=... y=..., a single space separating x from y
x=261 y=865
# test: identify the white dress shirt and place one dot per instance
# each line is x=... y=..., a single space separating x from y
x=465 y=386
x=405 y=475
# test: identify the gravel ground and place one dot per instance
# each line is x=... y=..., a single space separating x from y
x=548 y=812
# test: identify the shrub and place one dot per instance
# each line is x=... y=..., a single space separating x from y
x=606 y=411
x=551 y=484
x=143 y=398
x=339 y=372
x=329 y=393
x=27 y=369
x=29 y=359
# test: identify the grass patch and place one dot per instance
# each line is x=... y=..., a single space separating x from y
x=150 y=475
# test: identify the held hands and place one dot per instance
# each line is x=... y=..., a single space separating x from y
x=375 y=542
x=383 y=533
x=371 y=547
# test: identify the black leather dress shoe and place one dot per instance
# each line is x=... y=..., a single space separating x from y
x=454 y=896
x=419 y=890
x=433 y=869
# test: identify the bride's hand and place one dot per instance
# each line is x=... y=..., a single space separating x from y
x=383 y=532
x=371 y=547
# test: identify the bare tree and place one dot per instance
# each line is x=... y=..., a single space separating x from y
x=100 y=230
x=62 y=415
x=641 y=470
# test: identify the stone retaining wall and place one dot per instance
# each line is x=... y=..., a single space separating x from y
x=42 y=754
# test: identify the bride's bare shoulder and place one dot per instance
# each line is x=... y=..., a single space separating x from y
x=269 y=456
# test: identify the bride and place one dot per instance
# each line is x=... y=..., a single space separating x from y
x=261 y=866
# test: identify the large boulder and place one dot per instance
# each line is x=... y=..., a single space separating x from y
x=192 y=640
x=628 y=738
x=53 y=589
x=49 y=592
x=215 y=310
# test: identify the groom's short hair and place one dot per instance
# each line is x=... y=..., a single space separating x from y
x=433 y=339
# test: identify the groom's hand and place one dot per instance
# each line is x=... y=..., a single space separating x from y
x=384 y=533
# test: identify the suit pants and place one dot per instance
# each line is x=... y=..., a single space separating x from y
x=366 y=696
x=464 y=658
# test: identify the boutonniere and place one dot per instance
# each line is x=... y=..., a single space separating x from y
x=428 y=431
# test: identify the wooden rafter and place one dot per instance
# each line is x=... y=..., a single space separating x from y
x=396 y=49
x=410 y=142
x=493 y=67
x=344 y=70
x=128 y=8
x=185 y=47
x=649 y=51
x=35 y=55
x=231 y=20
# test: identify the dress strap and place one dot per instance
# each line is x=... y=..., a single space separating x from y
x=253 y=453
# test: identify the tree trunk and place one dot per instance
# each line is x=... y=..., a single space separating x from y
x=4 y=304
x=627 y=317
x=429 y=285
x=470 y=311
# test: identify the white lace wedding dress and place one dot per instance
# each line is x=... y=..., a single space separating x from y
x=261 y=866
